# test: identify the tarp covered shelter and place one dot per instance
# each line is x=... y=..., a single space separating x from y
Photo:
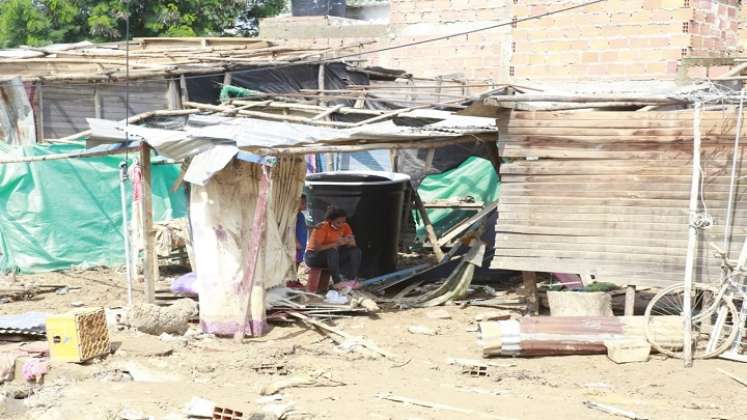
x=243 y=205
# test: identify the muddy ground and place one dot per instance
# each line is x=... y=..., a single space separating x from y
x=222 y=370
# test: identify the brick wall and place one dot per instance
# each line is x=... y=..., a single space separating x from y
x=613 y=40
x=617 y=39
x=715 y=27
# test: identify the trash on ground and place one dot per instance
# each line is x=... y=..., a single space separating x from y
x=421 y=329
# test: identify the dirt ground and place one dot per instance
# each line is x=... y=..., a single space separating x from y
x=222 y=370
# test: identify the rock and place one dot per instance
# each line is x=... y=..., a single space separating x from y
x=421 y=329
x=156 y=320
x=438 y=314
x=199 y=407
x=630 y=350
x=77 y=304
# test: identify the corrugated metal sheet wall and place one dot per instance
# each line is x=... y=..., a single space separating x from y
x=607 y=193
x=66 y=107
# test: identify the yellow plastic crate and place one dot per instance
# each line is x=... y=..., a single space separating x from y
x=78 y=335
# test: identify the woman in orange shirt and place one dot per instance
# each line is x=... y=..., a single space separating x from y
x=332 y=246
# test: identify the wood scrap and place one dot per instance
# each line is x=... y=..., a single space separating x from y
x=326 y=329
x=734 y=377
x=299 y=381
x=436 y=406
x=613 y=410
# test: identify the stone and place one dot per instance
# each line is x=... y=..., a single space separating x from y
x=156 y=320
x=630 y=350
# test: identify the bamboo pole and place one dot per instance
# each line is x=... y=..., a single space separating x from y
x=267 y=115
x=150 y=259
x=692 y=241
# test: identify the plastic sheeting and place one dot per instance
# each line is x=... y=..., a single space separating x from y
x=63 y=213
x=475 y=178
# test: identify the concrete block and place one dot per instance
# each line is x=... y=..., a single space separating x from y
x=633 y=350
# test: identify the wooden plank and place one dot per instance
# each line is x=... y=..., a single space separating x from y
x=430 y=231
x=605 y=132
x=581 y=219
x=574 y=230
x=623 y=123
x=716 y=207
x=626 y=179
x=601 y=194
x=686 y=115
x=628 y=140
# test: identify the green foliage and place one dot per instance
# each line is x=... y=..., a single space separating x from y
x=40 y=22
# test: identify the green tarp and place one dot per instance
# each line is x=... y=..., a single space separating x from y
x=63 y=213
x=475 y=177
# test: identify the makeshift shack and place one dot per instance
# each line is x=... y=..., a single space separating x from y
x=246 y=173
x=604 y=192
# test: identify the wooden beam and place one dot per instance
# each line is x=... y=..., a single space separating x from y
x=541 y=97
x=184 y=90
x=321 y=84
x=430 y=231
x=150 y=259
x=97 y=105
x=172 y=96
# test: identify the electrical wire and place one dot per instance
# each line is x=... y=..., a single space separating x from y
x=377 y=50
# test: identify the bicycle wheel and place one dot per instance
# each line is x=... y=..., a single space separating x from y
x=714 y=326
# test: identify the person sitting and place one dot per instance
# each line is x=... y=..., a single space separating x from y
x=332 y=246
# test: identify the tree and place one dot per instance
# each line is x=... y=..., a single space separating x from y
x=39 y=22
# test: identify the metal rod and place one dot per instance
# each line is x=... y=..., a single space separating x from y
x=125 y=229
x=692 y=238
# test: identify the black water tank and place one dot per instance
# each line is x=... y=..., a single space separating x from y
x=374 y=204
x=318 y=8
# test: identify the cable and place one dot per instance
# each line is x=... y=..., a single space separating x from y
x=378 y=50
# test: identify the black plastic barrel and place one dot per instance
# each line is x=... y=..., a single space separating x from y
x=318 y=8
x=373 y=202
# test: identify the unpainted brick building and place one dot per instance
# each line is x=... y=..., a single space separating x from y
x=612 y=40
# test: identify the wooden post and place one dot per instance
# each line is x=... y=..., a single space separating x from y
x=530 y=286
x=172 y=96
x=150 y=259
x=692 y=239
x=97 y=103
x=429 y=155
x=630 y=300
x=428 y=227
x=394 y=159
x=227 y=78
x=39 y=114
x=183 y=88
x=320 y=85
